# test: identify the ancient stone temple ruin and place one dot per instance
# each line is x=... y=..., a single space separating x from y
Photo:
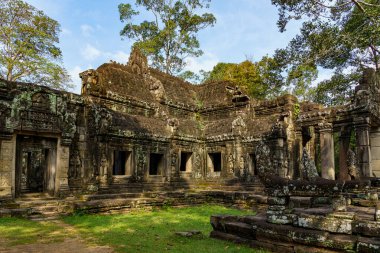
x=135 y=130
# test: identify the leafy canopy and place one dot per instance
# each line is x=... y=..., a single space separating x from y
x=170 y=37
x=260 y=79
x=342 y=35
x=28 y=46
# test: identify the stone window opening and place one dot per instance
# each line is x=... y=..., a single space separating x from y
x=186 y=165
x=122 y=163
x=215 y=161
x=156 y=164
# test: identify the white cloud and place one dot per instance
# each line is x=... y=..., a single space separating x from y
x=87 y=30
x=74 y=73
x=91 y=53
x=205 y=62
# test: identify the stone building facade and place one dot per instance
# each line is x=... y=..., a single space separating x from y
x=135 y=127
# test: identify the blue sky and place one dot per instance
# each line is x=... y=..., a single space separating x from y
x=90 y=33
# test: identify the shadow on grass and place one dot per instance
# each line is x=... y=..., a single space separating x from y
x=21 y=231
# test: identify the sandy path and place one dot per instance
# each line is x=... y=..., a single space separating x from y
x=72 y=244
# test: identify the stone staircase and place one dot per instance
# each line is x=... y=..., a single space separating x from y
x=120 y=198
x=41 y=206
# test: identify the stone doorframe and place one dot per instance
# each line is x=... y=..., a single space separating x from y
x=42 y=178
x=8 y=155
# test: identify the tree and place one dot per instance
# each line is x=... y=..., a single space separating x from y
x=171 y=37
x=260 y=79
x=339 y=35
x=28 y=50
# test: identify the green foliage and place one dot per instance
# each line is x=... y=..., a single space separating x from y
x=145 y=231
x=28 y=46
x=338 y=35
x=335 y=91
x=171 y=37
x=20 y=231
x=260 y=79
x=296 y=110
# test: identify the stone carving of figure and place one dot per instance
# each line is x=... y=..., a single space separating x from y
x=264 y=160
x=173 y=124
x=104 y=121
x=241 y=166
x=353 y=170
x=308 y=167
x=238 y=125
x=156 y=88
x=174 y=159
x=197 y=166
x=41 y=100
x=78 y=166
x=103 y=166
x=90 y=80
x=237 y=94
x=138 y=62
x=230 y=162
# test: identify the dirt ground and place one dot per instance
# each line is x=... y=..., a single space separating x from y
x=73 y=244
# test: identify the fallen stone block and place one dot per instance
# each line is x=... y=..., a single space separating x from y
x=329 y=224
x=368 y=228
x=368 y=245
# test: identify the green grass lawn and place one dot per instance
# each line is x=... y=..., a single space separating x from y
x=154 y=231
x=17 y=231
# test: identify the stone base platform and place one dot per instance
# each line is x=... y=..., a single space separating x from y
x=313 y=231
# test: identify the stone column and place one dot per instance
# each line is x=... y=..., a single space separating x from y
x=239 y=158
x=7 y=168
x=344 y=143
x=279 y=152
x=362 y=128
x=297 y=173
x=62 y=184
x=327 y=150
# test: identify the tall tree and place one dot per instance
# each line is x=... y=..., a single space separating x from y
x=339 y=35
x=260 y=79
x=171 y=36
x=28 y=46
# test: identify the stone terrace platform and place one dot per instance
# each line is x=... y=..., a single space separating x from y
x=313 y=230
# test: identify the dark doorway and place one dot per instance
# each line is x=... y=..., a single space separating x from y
x=156 y=164
x=122 y=163
x=185 y=162
x=216 y=161
x=35 y=164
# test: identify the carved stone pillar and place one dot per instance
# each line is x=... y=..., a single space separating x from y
x=327 y=150
x=297 y=173
x=344 y=143
x=62 y=185
x=362 y=129
x=7 y=169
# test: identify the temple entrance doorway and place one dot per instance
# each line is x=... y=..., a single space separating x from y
x=36 y=161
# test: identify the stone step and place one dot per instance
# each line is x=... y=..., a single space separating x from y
x=240 y=229
x=36 y=195
x=18 y=212
x=102 y=205
x=35 y=203
x=111 y=196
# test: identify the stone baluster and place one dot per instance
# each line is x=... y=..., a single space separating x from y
x=327 y=150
